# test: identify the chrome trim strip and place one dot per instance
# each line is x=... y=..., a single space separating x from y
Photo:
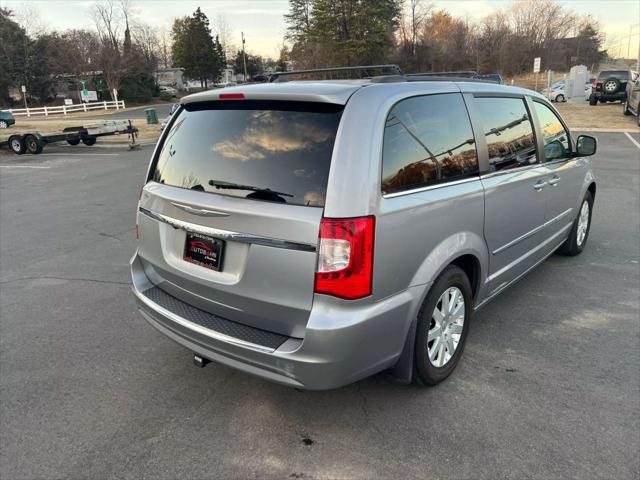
x=528 y=254
x=197 y=328
x=199 y=211
x=531 y=232
x=430 y=187
x=227 y=235
x=515 y=170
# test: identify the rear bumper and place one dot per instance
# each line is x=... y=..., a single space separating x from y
x=611 y=96
x=344 y=341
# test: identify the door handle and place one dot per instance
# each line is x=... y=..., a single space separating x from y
x=554 y=181
x=538 y=186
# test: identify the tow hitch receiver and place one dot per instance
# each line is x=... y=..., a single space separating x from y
x=198 y=361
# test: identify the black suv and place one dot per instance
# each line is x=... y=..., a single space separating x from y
x=610 y=86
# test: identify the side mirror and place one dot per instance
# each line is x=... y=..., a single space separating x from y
x=586 y=145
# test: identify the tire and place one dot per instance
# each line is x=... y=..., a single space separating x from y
x=560 y=98
x=88 y=141
x=593 y=100
x=427 y=370
x=33 y=144
x=574 y=245
x=73 y=141
x=3 y=124
x=17 y=145
x=611 y=86
x=625 y=108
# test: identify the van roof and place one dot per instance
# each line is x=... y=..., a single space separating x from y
x=339 y=91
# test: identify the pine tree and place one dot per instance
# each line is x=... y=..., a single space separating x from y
x=195 y=50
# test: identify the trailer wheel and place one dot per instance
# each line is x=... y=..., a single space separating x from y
x=73 y=141
x=88 y=141
x=17 y=145
x=33 y=144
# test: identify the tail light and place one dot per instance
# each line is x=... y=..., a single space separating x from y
x=345 y=259
x=231 y=96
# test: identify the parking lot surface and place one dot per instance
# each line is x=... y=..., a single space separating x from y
x=549 y=385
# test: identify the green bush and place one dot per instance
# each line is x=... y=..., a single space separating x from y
x=165 y=96
x=137 y=88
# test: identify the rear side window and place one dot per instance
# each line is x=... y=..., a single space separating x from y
x=262 y=150
x=508 y=131
x=427 y=140
x=619 y=74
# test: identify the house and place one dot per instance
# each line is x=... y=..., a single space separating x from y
x=171 y=77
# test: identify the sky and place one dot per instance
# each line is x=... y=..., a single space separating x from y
x=263 y=24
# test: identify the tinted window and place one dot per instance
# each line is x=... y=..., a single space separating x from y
x=556 y=138
x=427 y=140
x=508 y=131
x=238 y=147
x=620 y=74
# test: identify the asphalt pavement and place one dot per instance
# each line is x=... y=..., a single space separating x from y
x=549 y=386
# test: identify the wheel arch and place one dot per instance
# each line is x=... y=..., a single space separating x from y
x=467 y=250
x=470 y=262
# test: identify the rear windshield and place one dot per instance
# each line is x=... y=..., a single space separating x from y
x=263 y=150
x=620 y=74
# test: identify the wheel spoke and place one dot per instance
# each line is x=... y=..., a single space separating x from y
x=441 y=349
x=445 y=302
x=438 y=316
x=434 y=333
x=455 y=329
x=434 y=350
x=450 y=346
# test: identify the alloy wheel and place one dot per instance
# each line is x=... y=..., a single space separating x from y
x=447 y=322
x=583 y=223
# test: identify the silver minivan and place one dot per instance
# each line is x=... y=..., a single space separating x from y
x=314 y=233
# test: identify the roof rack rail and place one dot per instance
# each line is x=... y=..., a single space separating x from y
x=459 y=74
x=276 y=77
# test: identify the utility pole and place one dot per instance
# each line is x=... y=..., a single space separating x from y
x=244 y=58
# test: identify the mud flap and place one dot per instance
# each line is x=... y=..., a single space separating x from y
x=402 y=372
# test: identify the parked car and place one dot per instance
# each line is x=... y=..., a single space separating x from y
x=170 y=90
x=6 y=119
x=352 y=227
x=631 y=105
x=556 y=92
x=493 y=77
x=610 y=86
x=588 y=88
x=225 y=84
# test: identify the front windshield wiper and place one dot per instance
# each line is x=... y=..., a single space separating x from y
x=237 y=186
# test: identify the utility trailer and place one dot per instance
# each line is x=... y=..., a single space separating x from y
x=34 y=142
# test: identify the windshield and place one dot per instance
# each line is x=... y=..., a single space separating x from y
x=261 y=150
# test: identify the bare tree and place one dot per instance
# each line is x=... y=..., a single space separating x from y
x=222 y=28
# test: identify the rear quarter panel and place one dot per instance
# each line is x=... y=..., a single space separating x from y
x=418 y=234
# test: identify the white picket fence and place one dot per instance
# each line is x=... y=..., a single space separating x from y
x=64 y=109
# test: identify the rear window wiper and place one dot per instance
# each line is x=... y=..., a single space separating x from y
x=236 y=186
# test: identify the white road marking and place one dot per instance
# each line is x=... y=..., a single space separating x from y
x=632 y=139
x=21 y=166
